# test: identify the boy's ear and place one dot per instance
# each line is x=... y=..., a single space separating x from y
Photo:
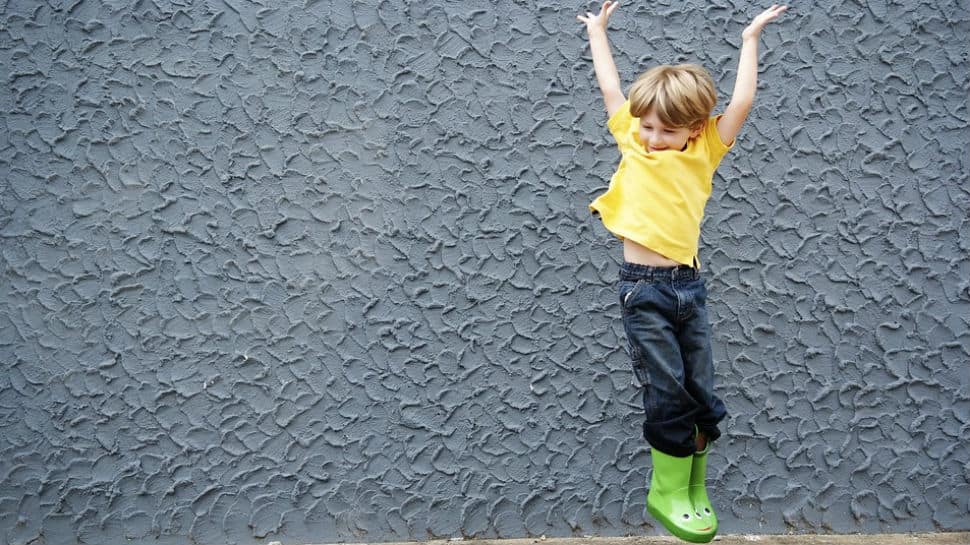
x=697 y=128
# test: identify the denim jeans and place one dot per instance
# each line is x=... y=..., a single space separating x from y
x=665 y=318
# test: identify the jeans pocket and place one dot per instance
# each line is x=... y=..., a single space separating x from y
x=628 y=291
x=641 y=377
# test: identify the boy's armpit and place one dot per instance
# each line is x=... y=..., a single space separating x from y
x=714 y=137
x=614 y=102
x=619 y=124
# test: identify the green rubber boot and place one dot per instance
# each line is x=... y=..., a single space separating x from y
x=698 y=490
x=669 y=499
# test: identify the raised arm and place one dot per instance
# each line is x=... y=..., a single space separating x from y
x=606 y=75
x=747 y=79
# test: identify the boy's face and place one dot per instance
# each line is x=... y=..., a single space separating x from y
x=655 y=136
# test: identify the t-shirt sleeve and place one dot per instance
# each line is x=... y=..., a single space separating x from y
x=619 y=125
x=717 y=148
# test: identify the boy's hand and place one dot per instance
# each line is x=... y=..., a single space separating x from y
x=598 y=21
x=754 y=29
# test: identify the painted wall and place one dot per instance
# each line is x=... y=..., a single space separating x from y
x=320 y=272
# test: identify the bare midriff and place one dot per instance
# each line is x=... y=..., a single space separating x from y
x=640 y=254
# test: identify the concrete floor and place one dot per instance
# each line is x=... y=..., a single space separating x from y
x=951 y=538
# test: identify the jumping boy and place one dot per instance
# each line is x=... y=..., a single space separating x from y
x=670 y=147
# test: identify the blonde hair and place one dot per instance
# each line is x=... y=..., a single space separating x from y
x=682 y=95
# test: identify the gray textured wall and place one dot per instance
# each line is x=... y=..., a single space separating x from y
x=325 y=271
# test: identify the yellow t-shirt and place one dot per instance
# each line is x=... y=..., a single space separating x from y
x=657 y=199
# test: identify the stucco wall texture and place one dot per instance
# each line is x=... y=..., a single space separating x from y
x=324 y=271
